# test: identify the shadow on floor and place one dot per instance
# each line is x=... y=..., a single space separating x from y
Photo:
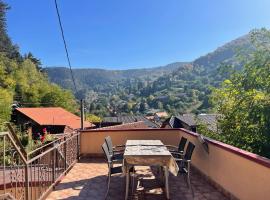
x=149 y=187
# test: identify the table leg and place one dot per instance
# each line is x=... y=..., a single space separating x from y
x=167 y=182
x=127 y=182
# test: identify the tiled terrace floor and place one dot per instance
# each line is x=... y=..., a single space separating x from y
x=87 y=180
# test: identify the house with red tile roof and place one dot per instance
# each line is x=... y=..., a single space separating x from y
x=54 y=119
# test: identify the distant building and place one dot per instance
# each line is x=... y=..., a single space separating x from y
x=158 y=116
x=191 y=121
x=54 y=119
x=113 y=121
x=132 y=125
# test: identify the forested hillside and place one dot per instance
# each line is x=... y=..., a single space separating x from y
x=177 y=88
x=103 y=80
x=22 y=81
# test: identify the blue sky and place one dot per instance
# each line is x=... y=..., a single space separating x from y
x=121 y=34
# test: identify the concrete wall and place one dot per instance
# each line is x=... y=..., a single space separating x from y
x=243 y=174
x=91 y=141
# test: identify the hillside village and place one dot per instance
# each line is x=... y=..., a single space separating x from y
x=101 y=133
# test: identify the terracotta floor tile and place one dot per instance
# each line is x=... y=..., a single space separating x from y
x=87 y=180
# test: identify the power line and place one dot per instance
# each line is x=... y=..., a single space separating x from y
x=66 y=49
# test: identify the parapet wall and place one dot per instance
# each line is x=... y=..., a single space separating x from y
x=243 y=174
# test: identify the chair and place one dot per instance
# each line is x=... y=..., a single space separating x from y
x=184 y=163
x=178 y=152
x=117 y=152
x=112 y=170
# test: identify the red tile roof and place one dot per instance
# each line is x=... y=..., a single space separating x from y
x=53 y=116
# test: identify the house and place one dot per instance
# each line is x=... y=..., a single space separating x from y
x=113 y=121
x=54 y=119
x=158 y=116
x=132 y=125
x=191 y=121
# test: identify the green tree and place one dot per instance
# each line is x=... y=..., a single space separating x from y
x=34 y=60
x=159 y=105
x=5 y=105
x=244 y=101
x=21 y=79
x=6 y=45
x=93 y=118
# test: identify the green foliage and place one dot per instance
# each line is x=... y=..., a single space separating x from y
x=6 y=46
x=93 y=118
x=26 y=84
x=5 y=102
x=244 y=101
x=21 y=79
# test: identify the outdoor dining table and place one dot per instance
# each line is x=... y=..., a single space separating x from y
x=148 y=153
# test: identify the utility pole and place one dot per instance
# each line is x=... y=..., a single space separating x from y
x=82 y=114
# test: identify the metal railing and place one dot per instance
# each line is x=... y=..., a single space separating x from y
x=33 y=176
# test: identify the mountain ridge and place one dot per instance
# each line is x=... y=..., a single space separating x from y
x=177 y=87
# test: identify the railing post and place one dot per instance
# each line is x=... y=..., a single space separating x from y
x=53 y=167
x=27 y=197
x=78 y=146
x=65 y=152
x=4 y=163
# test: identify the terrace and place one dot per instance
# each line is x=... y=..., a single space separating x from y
x=87 y=180
x=225 y=172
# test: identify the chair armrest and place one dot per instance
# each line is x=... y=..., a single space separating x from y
x=178 y=152
x=171 y=148
x=119 y=148
x=118 y=151
x=177 y=155
x=181 y=160
x=123 y=146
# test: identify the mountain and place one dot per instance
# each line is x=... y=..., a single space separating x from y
x=178 y=87
x=226 y=54
x=90 y=77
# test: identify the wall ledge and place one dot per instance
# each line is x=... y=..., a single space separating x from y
x=245 y=154
x=248 y=155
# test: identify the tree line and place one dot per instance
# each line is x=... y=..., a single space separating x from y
x=22 y=80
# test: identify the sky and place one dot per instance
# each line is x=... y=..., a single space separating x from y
x=123 y=34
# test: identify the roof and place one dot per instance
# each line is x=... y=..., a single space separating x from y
x=188 y=119
x=210 y=120
x=53 y=116
x=133 y=125
x=173 y=122
x=161 y=114
x=130 y=119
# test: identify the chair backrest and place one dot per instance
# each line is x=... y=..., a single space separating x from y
x=106 y=152
x=189 y=151
x=109 y=143
x=182 y=144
